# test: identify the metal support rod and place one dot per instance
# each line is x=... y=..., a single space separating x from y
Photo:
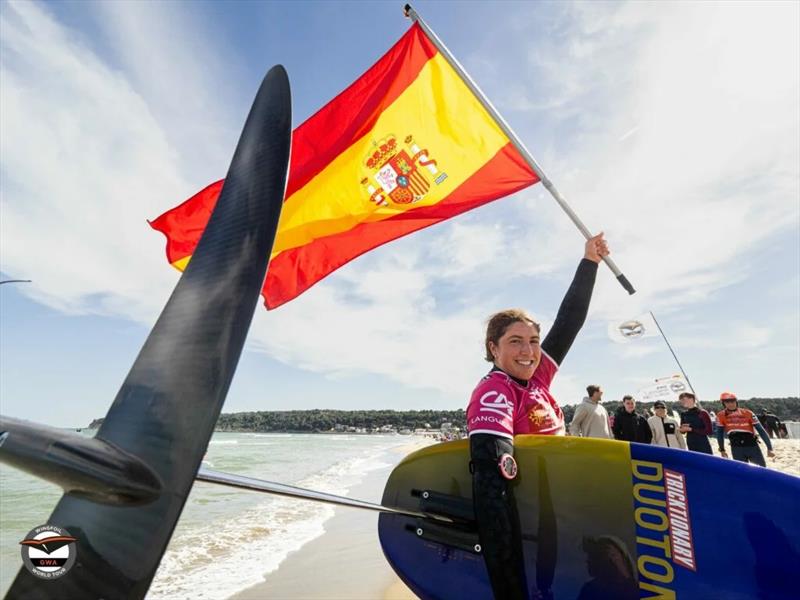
x=685 y=376
x=281 y=489
x=412 y=14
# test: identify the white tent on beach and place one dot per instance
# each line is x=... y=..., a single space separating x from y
x=793 y=429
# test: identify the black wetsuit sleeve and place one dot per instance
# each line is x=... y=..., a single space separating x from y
x=572 y=312
x=497 y=517
x=764 y=435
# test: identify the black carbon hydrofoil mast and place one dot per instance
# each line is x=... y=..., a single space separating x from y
x=125 y=489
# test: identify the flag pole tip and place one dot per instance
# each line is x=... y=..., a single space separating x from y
x=407 y=10
x=626 y=284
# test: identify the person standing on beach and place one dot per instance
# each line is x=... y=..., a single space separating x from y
x=696 y=424
x=514 y=398
x=770 y=422
x=741 y=425
x=590 y=418
x=630 y=426
x=665 y=428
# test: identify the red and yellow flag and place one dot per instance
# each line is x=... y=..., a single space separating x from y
x=406 y=146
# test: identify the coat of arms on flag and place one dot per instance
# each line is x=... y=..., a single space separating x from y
x=397 y=174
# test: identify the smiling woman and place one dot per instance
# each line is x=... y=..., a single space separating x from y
x=512 y=343
x=514 y=398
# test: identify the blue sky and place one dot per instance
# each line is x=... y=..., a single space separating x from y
x=673 y=127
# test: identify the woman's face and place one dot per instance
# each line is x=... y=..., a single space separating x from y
x=518 y=352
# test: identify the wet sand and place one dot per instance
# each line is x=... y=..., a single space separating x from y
x=346 y=562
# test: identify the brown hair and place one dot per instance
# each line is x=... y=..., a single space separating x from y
x=692 y=396
x=499 y=322
x=591 y=389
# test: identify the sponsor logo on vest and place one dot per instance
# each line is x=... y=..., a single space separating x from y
x=663 y=527
x=499 y=405
x=537 y=395
x=538 y=416
x=484 y=419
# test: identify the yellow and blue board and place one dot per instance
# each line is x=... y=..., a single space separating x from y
x=606 y=519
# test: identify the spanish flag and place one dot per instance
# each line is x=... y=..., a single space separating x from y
x=406 y=146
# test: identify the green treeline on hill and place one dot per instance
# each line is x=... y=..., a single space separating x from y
x=786 y=409
x=325 y=420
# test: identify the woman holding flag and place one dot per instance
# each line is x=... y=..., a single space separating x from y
x=514 y=398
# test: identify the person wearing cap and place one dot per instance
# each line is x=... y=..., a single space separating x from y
x=696 y=424
x=665 y=429
x=741 y=425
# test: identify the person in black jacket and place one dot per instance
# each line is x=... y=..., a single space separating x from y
x=630 y=426
x=696 y=424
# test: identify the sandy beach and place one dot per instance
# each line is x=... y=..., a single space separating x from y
x=787 y=455
x=346 y=563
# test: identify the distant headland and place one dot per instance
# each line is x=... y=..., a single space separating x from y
x=407 y=421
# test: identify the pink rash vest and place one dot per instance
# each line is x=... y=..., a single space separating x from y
x=501 y=406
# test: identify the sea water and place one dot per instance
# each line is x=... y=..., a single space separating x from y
x=226 y=539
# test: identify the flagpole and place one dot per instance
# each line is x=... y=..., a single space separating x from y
x=15 y=281
x=685 y=376
x=412 y=14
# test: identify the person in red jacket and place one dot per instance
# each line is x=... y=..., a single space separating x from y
x=741 y=425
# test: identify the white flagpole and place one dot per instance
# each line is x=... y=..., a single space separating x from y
x=661 y=331
x=412 y=14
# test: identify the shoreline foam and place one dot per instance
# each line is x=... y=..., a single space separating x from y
x=229 y=556
x=344 y=563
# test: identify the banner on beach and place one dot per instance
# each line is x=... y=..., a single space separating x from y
x=626 y=330
x=407 y=145
x=666 y=389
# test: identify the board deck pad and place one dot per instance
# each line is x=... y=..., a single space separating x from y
x=608 y=519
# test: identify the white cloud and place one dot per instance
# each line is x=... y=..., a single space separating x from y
x=712 y=170
x=466 y=247
x=568 y=389
x=672 y=126
x=388 y=329
x=84 y=163
x=181 y=65
x=738 y=335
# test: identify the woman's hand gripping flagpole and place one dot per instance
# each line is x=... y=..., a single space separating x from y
x=412 y=14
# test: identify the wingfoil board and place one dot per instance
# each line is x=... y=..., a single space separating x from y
x=602 y=519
